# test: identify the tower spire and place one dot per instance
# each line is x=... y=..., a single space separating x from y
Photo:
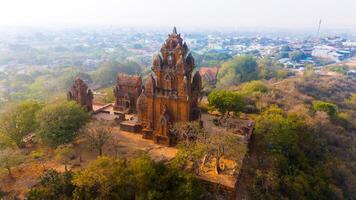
x=174 y=30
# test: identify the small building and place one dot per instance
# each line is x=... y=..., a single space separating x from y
x=351 y=73
x=126 y=92
x=209 y=74
x=330 y=53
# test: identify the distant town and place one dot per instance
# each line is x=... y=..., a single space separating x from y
x=36 y=63
x=90 y=47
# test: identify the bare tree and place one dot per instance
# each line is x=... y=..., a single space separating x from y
x=220 y=146
x=116 y=145
x=10 y=158
x=65 y=153
x=98 y=134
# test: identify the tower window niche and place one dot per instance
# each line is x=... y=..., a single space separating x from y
x=168 y=82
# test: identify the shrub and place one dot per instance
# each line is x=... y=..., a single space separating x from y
x=204 y=107
x=37 y=154
x=329 y=108
x=254 y=86
x=53 y=185
x=281 y=74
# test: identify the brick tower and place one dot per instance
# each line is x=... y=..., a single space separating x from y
x=80 y=93
x=170 y=94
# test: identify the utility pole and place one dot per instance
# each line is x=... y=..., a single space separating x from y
x=319 y=29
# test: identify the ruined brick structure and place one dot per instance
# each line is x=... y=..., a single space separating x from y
x=126 y=92
x=80 y=93
x=171 y=94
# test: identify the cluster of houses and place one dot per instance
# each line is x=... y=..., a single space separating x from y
x=319 y=52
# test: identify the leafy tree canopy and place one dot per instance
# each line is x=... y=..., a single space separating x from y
x=19 y=120
x=293 y=166
x=237 y=70
x=138 y=178
x=107 y=72
x=226 y=101
x=59 y=122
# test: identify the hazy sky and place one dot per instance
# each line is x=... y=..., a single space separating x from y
x=188 y=13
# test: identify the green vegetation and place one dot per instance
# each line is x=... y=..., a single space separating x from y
x=293 y=166
x=351 y=101
x=329 y=108
x=106 y=74
x=237 y=70
x=53 y=185
x=226 y=101
x=242 y=100
x=267 y=69
x=341 y=69
x=198 y=147
x=105 y=178
x=19 y=120
x=210 y=59
x=106 y=95
x=64 y=153
x=254 y=86
x=6 y=142
x=40 y=83
x=309 y=72
x=286 y=52
x=10 y=158
x=59 y=122
x=246 y=68
x=297 y=56
x=55 y=123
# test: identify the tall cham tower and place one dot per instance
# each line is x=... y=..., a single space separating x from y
x=170 y=94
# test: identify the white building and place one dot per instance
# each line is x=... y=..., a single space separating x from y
x=329 y=52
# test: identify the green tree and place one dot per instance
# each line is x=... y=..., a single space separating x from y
x=137 y=178
x=237 y=70
x=226 y=101
x=106 y=74
x=53 y=185
x=59 y=122
x=266 y=68
x=104 y=178
x=297 y=56
x=6 y=142
x=292 y=156
x=19 y=120
x=158 y=181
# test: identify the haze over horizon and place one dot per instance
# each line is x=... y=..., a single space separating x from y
x=289 y=14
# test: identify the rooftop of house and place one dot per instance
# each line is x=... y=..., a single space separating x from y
x=211 y=72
